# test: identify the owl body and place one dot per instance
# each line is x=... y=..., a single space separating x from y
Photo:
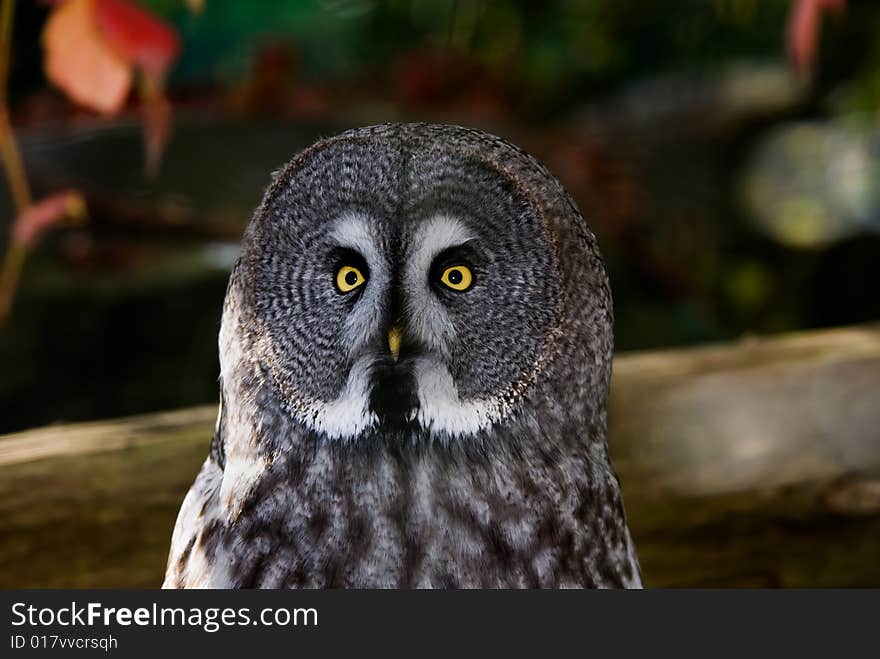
x=415 y=360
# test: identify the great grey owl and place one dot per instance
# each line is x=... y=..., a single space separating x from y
x=415 y=356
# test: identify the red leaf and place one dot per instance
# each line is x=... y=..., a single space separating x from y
x=33 y=223
x=804 y=22
x=136 y=35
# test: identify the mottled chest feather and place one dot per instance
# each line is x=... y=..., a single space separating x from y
x=417 y=516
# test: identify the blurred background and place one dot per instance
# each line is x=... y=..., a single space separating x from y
x=726 y=153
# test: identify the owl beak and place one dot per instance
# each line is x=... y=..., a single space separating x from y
x=395 y=337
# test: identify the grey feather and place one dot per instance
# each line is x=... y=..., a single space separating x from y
x=479 y=458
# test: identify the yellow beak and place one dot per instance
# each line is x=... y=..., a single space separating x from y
x=395 y=336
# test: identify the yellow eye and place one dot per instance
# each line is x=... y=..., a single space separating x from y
x=349 y=278
x=457 y=277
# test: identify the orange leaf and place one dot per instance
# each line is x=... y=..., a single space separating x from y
x=79 y=60
x=42 y=215
x=136 y=35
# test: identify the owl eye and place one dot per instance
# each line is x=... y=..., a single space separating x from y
x=349 y=278
x=457 y=277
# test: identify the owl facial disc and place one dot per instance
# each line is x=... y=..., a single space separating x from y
x=399 y=380
x=398 y=290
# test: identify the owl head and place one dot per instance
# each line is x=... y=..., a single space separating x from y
x=423 y=281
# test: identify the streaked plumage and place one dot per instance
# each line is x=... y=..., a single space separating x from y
x=478 y=457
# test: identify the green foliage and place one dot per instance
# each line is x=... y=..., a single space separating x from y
x=548 y=45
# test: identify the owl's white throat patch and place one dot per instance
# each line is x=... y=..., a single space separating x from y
x=441 y=412
x=349 y=415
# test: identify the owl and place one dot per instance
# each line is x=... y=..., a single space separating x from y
x=415 y=355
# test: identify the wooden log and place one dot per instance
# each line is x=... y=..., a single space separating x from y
x=93 y=504
x=750 y=464
x=756 y=463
